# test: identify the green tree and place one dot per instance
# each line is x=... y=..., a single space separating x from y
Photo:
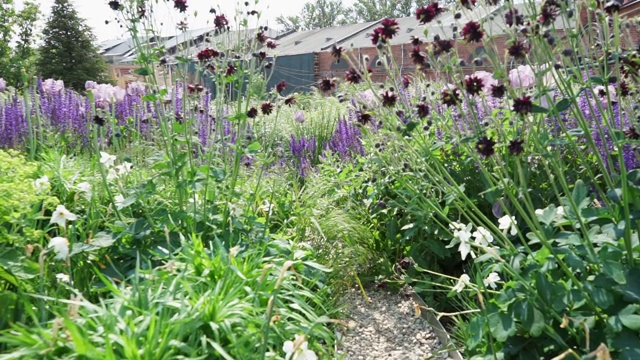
x=372 y=10
x=7 y=14
x=317 y=15
x=22 y=64
x=68 y=51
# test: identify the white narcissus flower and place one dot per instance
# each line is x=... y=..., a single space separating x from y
x=298 y=349
x=508 y=224
x=462 y=234
x=491 y=280
x=119 y=201
x=63 y=277
x=482 y=237
x=112 y=174
x=61 y=215
x=107 y=159
x=462 y=282
x=85 y=187
x=124 y=168
x=41 y=184
x=60 y=246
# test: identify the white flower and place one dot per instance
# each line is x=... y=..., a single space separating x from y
x=465 y=246
x=508 y=224
x=63 y=277
x=482 y=237
x=462 y=282
x=297 y=349
x=85 y=187
x=61 y=215
x=491 y=280
x=41 y=184
x=119 y=201
x=106 y=159
x=112 y=174
x=60 y=246
x=125 y=168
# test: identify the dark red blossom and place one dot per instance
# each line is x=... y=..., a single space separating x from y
x=415 y=41
x=485 y=146
x=522 y=106
x=624 y=90
x=207 y=54
x=281 y=86
x=271 y=44
x=469 y=4
x=195 y=88
x=363 y=117
x=326 y=85
x=473 y=85
x=423 y=110
x=498 y=91
x=428 y=13
x=181 y=5
x=261 y=37
x=613 y=6
x=267 y=108
x=472 y=32
x=389 y=99
x=515 y=147
x=290 y=101
x=417 y=56
x=260 y=56
x=389 y=28
x=518 y=50
x=442 y=46
x=549 y=12
x=353 y=76
x=450 y=97
x=220 y=22
x=406 y=81
x=231 y=69
x=252 y=113
x=512 y=18
x=336 y=52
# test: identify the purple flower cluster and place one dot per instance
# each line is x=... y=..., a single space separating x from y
x=304 y=152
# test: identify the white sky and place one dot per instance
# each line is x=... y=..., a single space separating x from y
x=97 y=11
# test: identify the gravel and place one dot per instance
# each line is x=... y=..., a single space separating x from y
x=388 y=327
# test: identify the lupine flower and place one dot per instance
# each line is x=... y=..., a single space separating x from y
x=60 y=247
x=106 y=159
x=429 y=13
x=41 y=184
x=61 y=215
x=298 y=349
x=462 y=282
x=522 y=77
x=491 y=280
x=221 y=22
x=181 y=5
x=508 y=225
x=485 y=146
x=472 y=32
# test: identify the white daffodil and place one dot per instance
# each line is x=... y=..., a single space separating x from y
x=60 y=246
x=298 y=349
x=508 y=224
x=124 y=168
x=462 y=235
x=491 y=280
x=41 y=184
x=61 y=215
x=482 y=237
x=63 y=277
x=119 y=201
x=85 y=188
x=106 y=159
x=462 y=282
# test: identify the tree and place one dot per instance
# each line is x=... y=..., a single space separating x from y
x=317 y=15
x=372 y=10
x=68 y=51
x=22 y=65
x=7 y=13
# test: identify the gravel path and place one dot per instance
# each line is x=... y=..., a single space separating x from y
x=387 y=327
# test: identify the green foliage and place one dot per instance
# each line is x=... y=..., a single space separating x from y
x=68 y=51
x=317 y=15
x=372 y=10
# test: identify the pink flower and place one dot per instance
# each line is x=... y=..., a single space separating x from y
x=51 y=86
x=522 y=77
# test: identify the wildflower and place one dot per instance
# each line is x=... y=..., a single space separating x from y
x=468 y=3
x=252 y=113
x=491 y=280
x=363 y=117
x=3 y=85
x=429 y=13
x=463 y=235
x=462 y=282
x=518 y=50
x=88 y=85
x=388 y=99
x=549 y=12
x=298 y=349
x=197 y=88
x=261 y=55
x=41 y=184
x=482 y=237
x=267 y=108
x=485 y=146
x=522 y=77
x=472 y=32
x=512 y=18
x=61 y=215
x=119 y=202
x=498 y=91
x=613 y=6
x=522 y=106
x=442 y=46
x=231 y=69
x=281 y=86
x=207 y=54
x=487 y=80
x=416 y=56
x=60 y=246
x=515 y=147
x=422 y=110
x=181 y=5
x=221 y=22
x=299 y=117
x=261 y=37
x=508 y=225
x=271 y=44
x=450 y=97
x=112 y=174
x=389 y=28
x=51 y=86
x=415 y=41
x=63 y=277
x=85 y=187
x=473 y=85
x=353 y=76
x=106 y=159
x=326 y=85
x=290 y=101
x=115 y=5
x=336 y=52
x=124 y=168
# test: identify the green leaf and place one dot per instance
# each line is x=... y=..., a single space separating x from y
x=562 y=105
x=628 y=317
x=579 y=192
x=100 y=240
x=537 y=109
x=502 y=326
x=533 y=320
x=254 y=146
x=615 y=270
x=631 y=290
x=475 y=332
x=143 y=71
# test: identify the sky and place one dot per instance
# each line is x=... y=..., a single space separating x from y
x=96 y=12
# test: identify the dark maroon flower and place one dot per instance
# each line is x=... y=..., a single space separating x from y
x=389 y=28
x=498 y=91
x=363 y=117
x=473 y=85
x=511 y=18
x=290 y=101
x=406 y=81
x=281 y=86
x=181 y=5
x=375 y=36
x=422 y=110
x=522 y=106
x=211 y=67
x=427 y=13
x=221 y=22
x=252 y=113
x=469 y=4
x=196 y=88
x=115 y=5
x=624 y=90
x=416 y=56
x=207 y=54
x=261 y=37
x=549 y=12
x=632 y=133
x=231 y=69
x=271 y=44
x=472 y=32
x=515 y=147
x=326 y=85
x=98 y=120
x=336 y=52
x=485 y=146
x=518 y=50
x=450 y=97
x=415 y=41
x=260 y=56
x=267 y=108
x=388 y=98
x=353 y=76
x=442 y=46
